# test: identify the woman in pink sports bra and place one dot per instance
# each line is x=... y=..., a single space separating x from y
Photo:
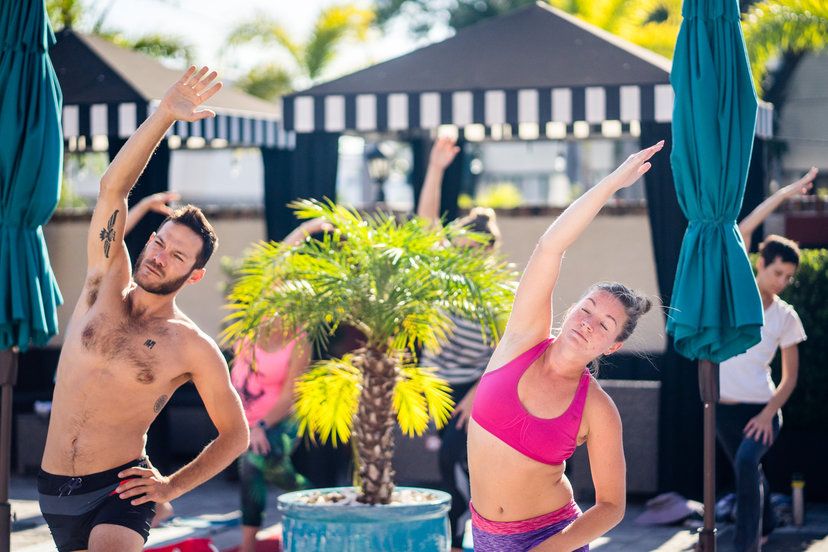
x=537 y=400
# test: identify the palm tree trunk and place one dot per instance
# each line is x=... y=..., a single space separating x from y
x=374 y=427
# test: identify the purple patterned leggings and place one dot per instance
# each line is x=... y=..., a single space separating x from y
x=521 y=536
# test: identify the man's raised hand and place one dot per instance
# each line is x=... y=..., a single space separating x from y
x=192 y=89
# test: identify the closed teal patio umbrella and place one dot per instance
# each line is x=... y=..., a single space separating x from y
x=717 y=312
x=31 y=160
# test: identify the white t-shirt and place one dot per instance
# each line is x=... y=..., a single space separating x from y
x=746 y=378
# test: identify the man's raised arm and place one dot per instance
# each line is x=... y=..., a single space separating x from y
x=105 y=243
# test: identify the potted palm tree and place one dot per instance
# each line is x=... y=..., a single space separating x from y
x=396 y=282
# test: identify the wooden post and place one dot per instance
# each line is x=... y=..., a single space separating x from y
x=8 y=377
x=709 y=391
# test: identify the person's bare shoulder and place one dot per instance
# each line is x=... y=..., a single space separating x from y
x=600 y=409
x=199 y=349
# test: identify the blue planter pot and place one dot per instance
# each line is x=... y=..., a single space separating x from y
x=421 y=527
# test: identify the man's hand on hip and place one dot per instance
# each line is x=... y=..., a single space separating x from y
x=147 y=484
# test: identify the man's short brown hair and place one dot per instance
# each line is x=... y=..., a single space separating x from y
x=193 y=218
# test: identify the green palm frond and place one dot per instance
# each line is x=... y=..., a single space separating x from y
x=609 y=14
x=396 y=282
x=326 y=399
x=774 y=26
x=651 y=24
x=161 y=46
x=419 y=397
x=262 y=29
x=64 y=13
x=268 y=82
x=411 y=406
x=581 y=8
x=312 y=56
x=333 y=25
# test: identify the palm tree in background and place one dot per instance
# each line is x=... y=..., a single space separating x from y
x=310 y=58
x=267 y=81
x=786 y=29
x=652 y=24
x=396 y=282
x=71 y=14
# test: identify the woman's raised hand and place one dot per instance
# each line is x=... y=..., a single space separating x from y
x=634 y=167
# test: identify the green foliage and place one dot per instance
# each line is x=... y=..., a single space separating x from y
x=161 y=46
x=652 y=24
x=503 y=195
x=327 y=397
x=268 y=82
x=397 y=282
x=69 y=199
x=332 y=27
x=774 y=26
x=74 y=13
x=808 y=406
x=75 y=167
x=394 y=281
x=64 y=13
x=419 y=397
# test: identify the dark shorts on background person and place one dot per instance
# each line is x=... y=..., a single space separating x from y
x=523 y=535
x=275 y=467
x=73 y=506
x=754 y=513
x=453 y=461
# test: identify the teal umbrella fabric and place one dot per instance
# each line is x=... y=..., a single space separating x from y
x=31 y=161
x=717 y=312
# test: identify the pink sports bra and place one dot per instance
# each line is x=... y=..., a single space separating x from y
x=498 y=410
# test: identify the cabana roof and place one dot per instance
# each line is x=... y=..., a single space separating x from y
x=109 y=90
x=535 y=65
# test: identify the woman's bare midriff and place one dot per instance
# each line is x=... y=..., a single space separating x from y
x=509 y=486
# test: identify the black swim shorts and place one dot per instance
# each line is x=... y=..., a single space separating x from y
x=73 y=506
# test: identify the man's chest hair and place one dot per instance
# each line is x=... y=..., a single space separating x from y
x=130 y=340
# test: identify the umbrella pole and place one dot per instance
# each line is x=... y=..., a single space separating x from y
x=709 y=390
x=8 y=376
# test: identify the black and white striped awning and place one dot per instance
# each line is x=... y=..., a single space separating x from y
x=527 y=113
x=83 y=123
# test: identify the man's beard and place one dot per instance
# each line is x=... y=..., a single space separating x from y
x=161 y=288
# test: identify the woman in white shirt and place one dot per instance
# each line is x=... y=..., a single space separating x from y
x=749 y=415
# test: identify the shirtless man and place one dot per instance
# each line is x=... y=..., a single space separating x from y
x=127 y=349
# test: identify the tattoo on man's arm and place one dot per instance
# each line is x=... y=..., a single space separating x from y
x=149 y=343
x=159 y=404
x=107 y=234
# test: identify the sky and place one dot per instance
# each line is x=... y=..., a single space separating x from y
x=206 y=23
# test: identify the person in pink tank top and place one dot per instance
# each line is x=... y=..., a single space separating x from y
x=264 y=374
x=538 y=401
